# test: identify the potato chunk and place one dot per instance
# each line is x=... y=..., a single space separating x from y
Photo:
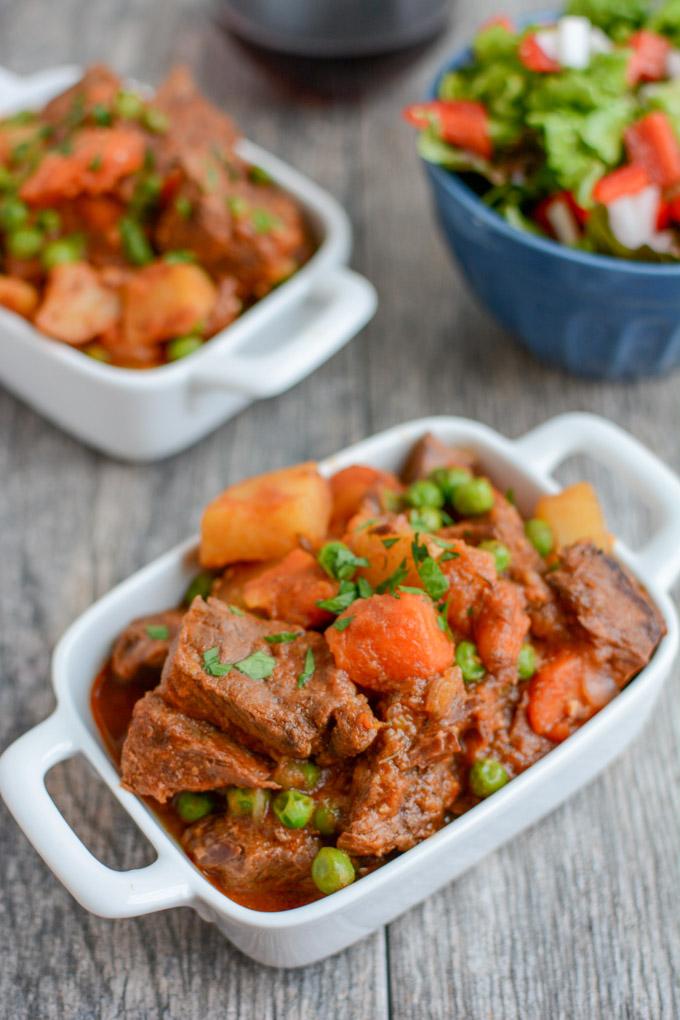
x=77 y=306
x=163 y=301
x=18 y=295
x=575 y=514
x=264 y=518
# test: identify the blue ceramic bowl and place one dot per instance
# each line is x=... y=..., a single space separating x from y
x=591 y=314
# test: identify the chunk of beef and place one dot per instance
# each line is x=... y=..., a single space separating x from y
x=247 y=857
x=165 y=752
x=471 y=573
x=324 y=716
x=430 y=453
x=198 y=127
x=99 y=86
x=143 y=646
x=610 y=605
x=500 y=627
x=504 y=524
x=403 y=786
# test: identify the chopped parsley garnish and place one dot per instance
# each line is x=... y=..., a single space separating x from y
x=258 y=175
x=510 y=496
x=257 y=666
x=364 y=588
x=308 y=669
x=434 y=581
x=389 y=542
x=392 y=500
x=212 y=664
x=343 y=624
x=443 y=618
x=367 y=524
x=341 y=601
x=236 y=610
x=237 y=205
x=158 y=633
x=96 y=163
x=100 y=115
x=183 y=207
x=179 y=257
x=411 y=589
x=391 y=583
x=283 y=637
x=263 y=221
x=339 y=561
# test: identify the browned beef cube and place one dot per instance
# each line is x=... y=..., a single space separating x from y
x=143 y=646
x=324 y=716
x=430 y=453
x=165 y=752
x=249 y=856
x=609 y=603
x=99 y=86
x=197 y=125
x=403 y=786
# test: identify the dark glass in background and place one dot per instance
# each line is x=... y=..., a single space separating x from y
x=334 y=28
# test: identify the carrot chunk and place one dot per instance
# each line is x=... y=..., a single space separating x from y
x=390 y=641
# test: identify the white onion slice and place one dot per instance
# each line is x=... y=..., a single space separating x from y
x=547 y=40
x=599 y=41
x=563 y=222
x=632 y=218
x=673 y=64
x=663 y=241
x=573 y=42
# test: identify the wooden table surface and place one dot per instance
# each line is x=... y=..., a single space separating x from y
x=577 y=918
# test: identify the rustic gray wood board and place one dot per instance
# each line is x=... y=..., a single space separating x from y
x=578 y=918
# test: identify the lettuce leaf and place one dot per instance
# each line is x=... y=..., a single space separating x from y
x=666 y=20
x=618 y=18
x=432 y=149
x=665 y=96
x=591 y=89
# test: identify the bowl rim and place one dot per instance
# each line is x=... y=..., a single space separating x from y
x=452 y=182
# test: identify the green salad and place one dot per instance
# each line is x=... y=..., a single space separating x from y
x=570 y=129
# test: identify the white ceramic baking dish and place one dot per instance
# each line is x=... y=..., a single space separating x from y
x=300 y=936
x=146 y=415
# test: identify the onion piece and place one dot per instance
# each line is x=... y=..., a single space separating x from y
x=573 y=42
x=547 y=40
x=632 y=218
x=563 y=222
x=673 y=64
x=599 y=41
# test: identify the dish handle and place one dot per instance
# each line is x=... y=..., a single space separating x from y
x=331 y=314
x=657 y=486
x=98 y=888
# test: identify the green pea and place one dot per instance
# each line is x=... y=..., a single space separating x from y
x=500 y=553
x=332 y=869
x=49 y=220
x=486 y=776
x=540 y=535
x=448 y=480
x=155 y=120
x=57 y=253
x=135 y=243
x=526 y=662
x=258 y=175
x=293 y=809
x=128 y=105
x=97 y=352
x=25 y=243
x=326 y=818
x=192 y=806
x=473 y=498
x=201 y=585
x=470 y=663
x=246 y=802
x=424 y=493
x=427 y=518
x=300 y=775
x=13 y=213
x=183 y=207
x=100 y=115
x=181 y=346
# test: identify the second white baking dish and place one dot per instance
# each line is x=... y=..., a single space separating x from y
x=146 y=415
x=300 y=936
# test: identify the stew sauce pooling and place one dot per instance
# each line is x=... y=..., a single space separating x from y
x=129 y=225
x=363 y=660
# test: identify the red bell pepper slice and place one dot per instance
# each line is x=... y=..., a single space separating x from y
x=460 y=122
x=651 y=143
x=672 y=211
x=649 y=56
x=535 y=58
x=663 y=215
x=628 y=180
